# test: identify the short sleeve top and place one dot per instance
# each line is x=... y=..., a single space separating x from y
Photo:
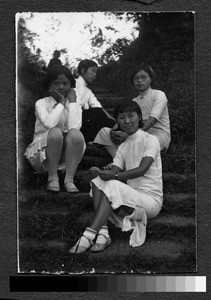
x=153 y=103
x=129 y=155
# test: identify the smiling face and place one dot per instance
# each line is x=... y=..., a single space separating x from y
x=90 y=74
x=129 y=121
x=141 y=81
x=62 y=84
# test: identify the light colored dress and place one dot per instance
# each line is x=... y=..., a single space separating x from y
x=153 y=103
x=144 y=194
x=50 y=114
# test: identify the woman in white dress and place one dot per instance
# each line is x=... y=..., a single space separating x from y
x=137 y=162
x=154 y=108
x=57 y=140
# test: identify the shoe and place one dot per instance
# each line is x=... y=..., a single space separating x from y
x=70 y=187
x=90 y=144
x=53 y=186
x=82 y=245
x=103 y=242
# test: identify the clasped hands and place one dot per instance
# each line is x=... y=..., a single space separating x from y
x=103 y=174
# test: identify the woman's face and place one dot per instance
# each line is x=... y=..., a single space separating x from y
x=141 y=81
x=128 y=122
x=62 y=84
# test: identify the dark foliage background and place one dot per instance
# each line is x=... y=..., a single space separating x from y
x=166 y=41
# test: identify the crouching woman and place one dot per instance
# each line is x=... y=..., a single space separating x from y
x=133 y=185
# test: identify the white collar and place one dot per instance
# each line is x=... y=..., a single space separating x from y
x=143 y=94
x=81 y=80
x=135 y=134
x=55 y=102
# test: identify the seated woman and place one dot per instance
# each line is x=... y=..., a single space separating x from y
x=137 y=162
x=94 y=117
x=154 y=108
x=57 y=137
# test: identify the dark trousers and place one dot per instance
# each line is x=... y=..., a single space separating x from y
x=93 y=120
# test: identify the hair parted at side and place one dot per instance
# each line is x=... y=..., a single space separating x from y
x=86 y=64
x=145 y=67
x=128 y=106
x=54 y=72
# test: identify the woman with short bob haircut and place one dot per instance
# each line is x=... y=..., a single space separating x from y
x=57 y=142
x=133 y=185
x=154 y=108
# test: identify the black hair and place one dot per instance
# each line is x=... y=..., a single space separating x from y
x=54 y=72
x=56 y=53
x=86 y=64
x=145 y=67
x=128 y=106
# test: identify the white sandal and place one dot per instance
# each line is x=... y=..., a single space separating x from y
x=77 y=248
x=101 y=243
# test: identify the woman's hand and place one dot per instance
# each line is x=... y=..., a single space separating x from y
x=118 y=137
x=104 y=175
x=107 y=175
x=71 y=96
x=94 y=171
x=149 y=123
x=56 y=95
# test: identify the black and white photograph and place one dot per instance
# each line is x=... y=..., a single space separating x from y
x=106 y=142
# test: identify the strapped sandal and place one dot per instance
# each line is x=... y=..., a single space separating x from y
x=53 y=186
x=77 y=248
x=103 y=242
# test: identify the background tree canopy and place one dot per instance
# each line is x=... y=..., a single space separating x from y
x=166 y=41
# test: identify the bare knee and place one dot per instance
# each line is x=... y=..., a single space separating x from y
x=75 y=137
x=55 y=135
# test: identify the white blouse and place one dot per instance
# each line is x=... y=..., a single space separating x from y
x=153 y=103
x=51 y=114
x=84 y=95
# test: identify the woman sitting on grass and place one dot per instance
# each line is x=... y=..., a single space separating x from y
x=154 y=108
x=137 y=162
x=57 y=137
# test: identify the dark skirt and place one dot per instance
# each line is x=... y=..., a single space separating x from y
x=93 y=120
